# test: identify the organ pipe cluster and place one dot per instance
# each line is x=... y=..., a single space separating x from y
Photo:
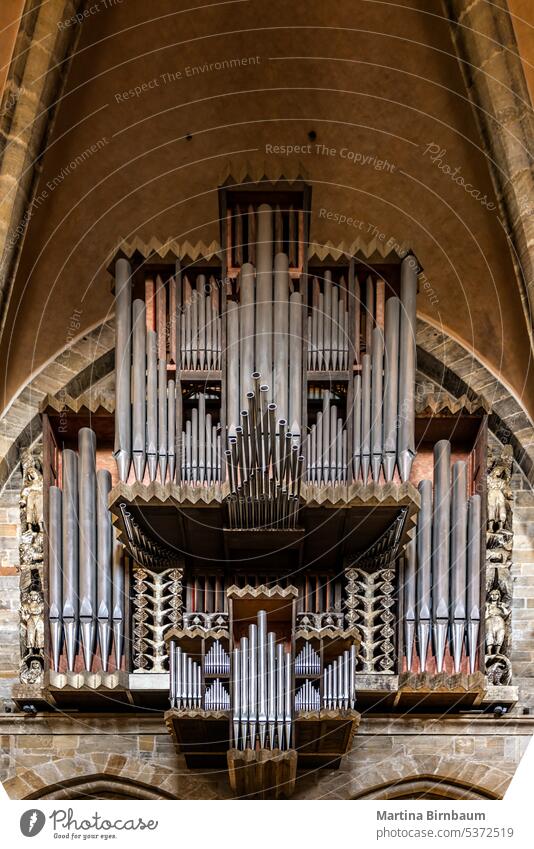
x=442 y=568
x=185 y=679
x=307 y=697
x=85 y=568
x=327 y=445
x=339 y=682
x=264 y=331
x=217 y=696
x=200 y=325
x=307 y=662
x=261 y=690
x=328 y=326
x=264 y=466
x=384 y=391
x=200 y=445
x=145 y=413
x=217 y=660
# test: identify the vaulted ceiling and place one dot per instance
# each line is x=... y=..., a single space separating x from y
x=377 y=82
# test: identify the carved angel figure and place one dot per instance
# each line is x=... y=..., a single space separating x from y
x=31 y=496
x=32 y=619
x=499 y=492
x=497 y=612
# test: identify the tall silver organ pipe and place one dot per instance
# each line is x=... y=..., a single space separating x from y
x=86 y=568
x=391 y=385
x=152 y=404
x=104 y=565
x=376 y=402
x=70 y=553
x=407 y=365
x=123 y=355
x=424 y=571
x=139 y=388
x=295 y=371
x=366 y=417
x=447 y=567
x=87 y=540
x=55 y=578
x=232 y=366
x=162 y=420
x=246 y=330
x=283 y=340
x=458 y=560
x=264 y=293
x=441 y=547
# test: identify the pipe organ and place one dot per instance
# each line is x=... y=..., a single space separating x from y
x=269 y=550
x=442 y=570
x=86 y=572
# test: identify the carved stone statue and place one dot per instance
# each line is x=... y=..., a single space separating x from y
x=31 y=496
x=32 y=619
x=31 y=609
x=497 y=614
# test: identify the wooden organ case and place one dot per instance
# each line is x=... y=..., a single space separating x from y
x=272 y=530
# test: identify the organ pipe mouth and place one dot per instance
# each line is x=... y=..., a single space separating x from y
x=255 y=376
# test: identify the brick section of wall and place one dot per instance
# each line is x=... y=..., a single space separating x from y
x=9 y=585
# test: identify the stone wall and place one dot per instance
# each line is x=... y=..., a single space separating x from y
x=522 y=654
x=9 y=585
x=45 y=753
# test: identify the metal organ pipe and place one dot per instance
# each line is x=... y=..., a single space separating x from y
x=282 y=343
x=407 y=354
x=391 y=385
x=104 y=560
x=264 y=293
x=87 y=540
x=70 y=553
x=139 y=388
x=162 y=419
x=152 y=403
x=458 y=562
x=123 y=355
x=55 y=566
x=448 y=565
x=246 y=329
x=295 y=364
x=409 y=601
x=86 y=571
x=366 y=416
x=232 y=366
x=440 y=546
x=376 y=402
x=424 y=571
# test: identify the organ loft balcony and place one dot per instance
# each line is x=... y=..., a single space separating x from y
x=267 y=525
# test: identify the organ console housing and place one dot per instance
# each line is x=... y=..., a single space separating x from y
x=268 y=531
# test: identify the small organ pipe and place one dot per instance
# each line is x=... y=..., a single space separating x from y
x=253 y=681
x=139 y=388
x=357 y=427
x=55 y=567
x=244 y=689
x=123 y=355
x=440 y=546
x=327 y=321
x=409 y=601
x=407 y=359
x=262 y=676
x=236 y=694
x=162 y=420
x=117 y=574
x=171 y=428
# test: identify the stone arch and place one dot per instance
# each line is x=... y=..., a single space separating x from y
x=426 y=787
x=99 y=772
x=438 y=775
x=101 y=787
